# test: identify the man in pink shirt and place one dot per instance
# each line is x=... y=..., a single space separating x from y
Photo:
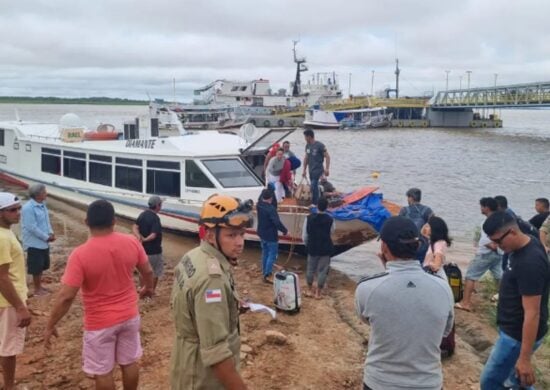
x=103 y=269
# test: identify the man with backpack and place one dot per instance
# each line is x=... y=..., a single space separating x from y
x=419 y=214
x=404 y=344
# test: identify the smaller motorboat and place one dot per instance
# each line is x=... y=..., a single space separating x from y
x=104 y=132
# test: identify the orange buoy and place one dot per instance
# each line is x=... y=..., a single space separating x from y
x=104 y=132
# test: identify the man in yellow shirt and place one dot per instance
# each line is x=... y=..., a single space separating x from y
x=14 y=315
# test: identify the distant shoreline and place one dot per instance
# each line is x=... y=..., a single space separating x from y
x=56 y=100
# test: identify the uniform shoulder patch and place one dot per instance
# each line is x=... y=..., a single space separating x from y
x=214 y=267
x=188 y=266
x=212 y=296
x=375 y=276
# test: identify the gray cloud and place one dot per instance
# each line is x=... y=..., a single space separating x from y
x=127 y=48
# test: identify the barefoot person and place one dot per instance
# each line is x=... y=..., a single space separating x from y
x=37 y=233
x=14 y=316
x=206 y=352
x=103 y=269
x=316 y=236
x=522 y=312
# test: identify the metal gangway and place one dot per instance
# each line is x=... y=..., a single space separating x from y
x=503 y=96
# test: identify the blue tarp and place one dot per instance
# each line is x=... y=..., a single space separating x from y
x=369 y=209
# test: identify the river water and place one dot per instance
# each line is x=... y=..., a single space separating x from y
x=453 y=167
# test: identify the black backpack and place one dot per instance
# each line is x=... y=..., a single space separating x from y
x=454 y=275
x=527 y=228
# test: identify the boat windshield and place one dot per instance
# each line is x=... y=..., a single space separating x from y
x=231 y=173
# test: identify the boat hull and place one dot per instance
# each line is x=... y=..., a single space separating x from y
x=182 y=216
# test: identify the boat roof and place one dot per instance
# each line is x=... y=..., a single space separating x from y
x=192 y=144
x=363 y=109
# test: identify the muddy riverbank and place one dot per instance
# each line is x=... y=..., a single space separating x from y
x=325 y=348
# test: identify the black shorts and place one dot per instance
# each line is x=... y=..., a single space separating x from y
x=38 y=260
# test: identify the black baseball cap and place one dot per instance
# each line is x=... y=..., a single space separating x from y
x=399 y=230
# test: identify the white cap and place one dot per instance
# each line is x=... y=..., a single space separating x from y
x=7 y=200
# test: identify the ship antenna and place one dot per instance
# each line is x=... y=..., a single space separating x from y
x=300 y=67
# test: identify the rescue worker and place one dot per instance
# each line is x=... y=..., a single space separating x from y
x=205 y=303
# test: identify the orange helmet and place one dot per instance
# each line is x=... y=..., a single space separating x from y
x=226 y=211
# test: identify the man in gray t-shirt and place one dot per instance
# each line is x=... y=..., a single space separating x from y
x=316 y=154
x=409 y=312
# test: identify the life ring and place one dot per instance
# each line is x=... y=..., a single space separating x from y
x=267 y=123
x=484 y=124
x=293 y=122
x=412 y=124
x=399 y=124
x=252 y=121
x=204 y=126
x=473 y=124
x=499 y=123
x=425 y=124
x=281 y=122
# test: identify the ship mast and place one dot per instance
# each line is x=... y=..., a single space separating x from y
x=300 y=67
x=397 y=71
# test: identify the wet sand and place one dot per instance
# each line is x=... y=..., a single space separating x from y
x=326 y=343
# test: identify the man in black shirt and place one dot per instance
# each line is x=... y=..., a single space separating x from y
x=522 y=312
x=148 y=231
x=542 y=206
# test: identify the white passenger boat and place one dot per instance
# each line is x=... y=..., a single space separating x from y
x=361 y=118
x=184 y=170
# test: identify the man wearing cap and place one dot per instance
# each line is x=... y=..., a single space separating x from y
x=14 y=315
x=522 y=311
x=148 y=231
x=409 y=312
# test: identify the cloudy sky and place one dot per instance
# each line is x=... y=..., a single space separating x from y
x=123 y=48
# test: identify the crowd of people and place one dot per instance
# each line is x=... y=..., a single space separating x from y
x=404 y=348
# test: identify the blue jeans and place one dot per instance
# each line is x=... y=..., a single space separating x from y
x=500 y=367
x=314 y=189
x=270 y=250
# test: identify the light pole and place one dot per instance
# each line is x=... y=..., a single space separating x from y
x=468 y=72
x=460 y=82
x=447 y=85
x=349 y=86
x=495 y=96
x=372 y=84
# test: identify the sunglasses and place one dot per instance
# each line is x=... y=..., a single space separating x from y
x=12 y=209
x=498 y=241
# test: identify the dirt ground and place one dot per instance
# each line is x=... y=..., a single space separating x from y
x=326 y=343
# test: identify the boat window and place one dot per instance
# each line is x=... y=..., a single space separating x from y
x=97 y=157
x=163 y=183
x=194 y=177
x=129 y=161
x=163 y=178
x=175 y=165
x=74 y=165
x=100 y=172
x=2 y=141
x=231 y=173
x=51 y=161
x=128 y=176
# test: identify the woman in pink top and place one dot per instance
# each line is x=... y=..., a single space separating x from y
x=437 y=232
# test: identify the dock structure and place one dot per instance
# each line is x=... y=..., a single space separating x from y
x=505 y=96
